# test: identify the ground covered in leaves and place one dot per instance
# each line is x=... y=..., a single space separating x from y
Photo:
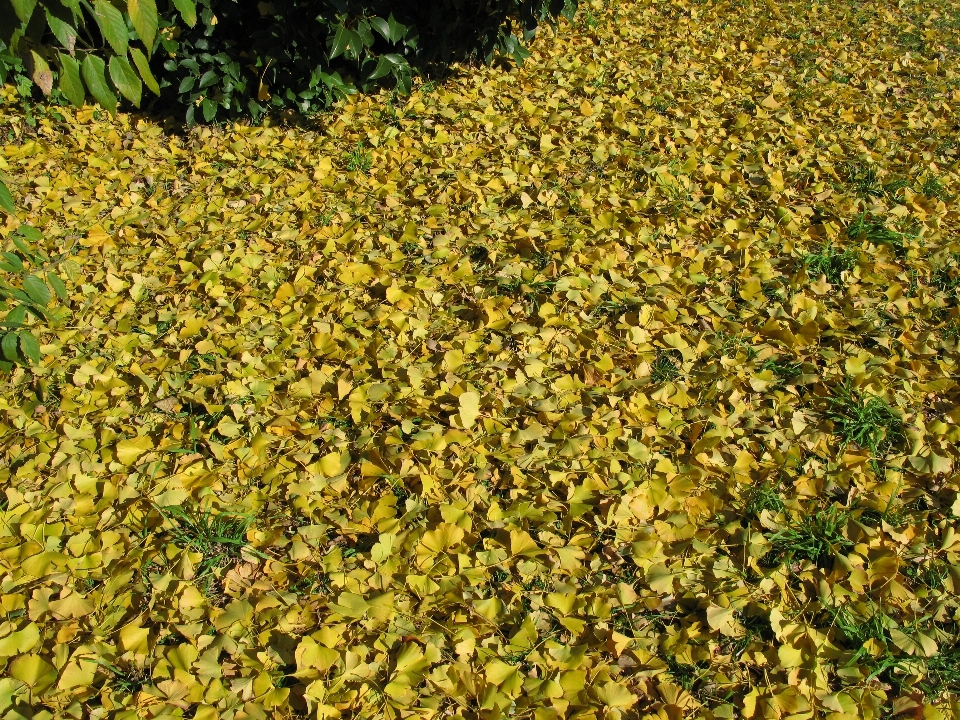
x=622 y=385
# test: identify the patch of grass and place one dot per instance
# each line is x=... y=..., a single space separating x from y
x=952 y=331
x=946 y=278
x=932 y=188
x=686 y=676
x=866 y=421
x=340 y=423
x=731 y=344
x=661 y=105
x=859 y=630
x=818 y=538
x=359 y=160
x=610 y=308
x=664 y=368
x=912 y=41
x=931 y=573
x=675 y=195
x=311 y=583
x=588 y=20
x=762 y=497
x=218 y=537
x=875 y=231
x=529 y=291
x=773 y=291
x=830 y=262
x=127 y=681
x=756 y=627
x=942 y=673
x=784 y=370
x=891 y=188
x=863 y=179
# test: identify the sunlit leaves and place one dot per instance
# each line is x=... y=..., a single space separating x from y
x=602 y=388
x=143 y=15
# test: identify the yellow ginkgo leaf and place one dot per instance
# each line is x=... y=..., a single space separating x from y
x=130 y=450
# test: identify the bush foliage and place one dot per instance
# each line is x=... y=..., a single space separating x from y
x=222 y=59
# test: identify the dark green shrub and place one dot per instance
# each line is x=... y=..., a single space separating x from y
x=220 y=59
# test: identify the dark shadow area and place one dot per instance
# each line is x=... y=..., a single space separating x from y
x=248 y=58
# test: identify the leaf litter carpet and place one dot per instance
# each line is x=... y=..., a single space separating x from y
x=621 y=385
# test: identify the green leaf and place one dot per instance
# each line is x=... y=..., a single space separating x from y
x=30 y=233
x=125 y=79
x=63 y=31
x=25 y=249
x=93 y=75
x=188 y=11
x=140 y=60
x=209 y=109
x=29 y=346
x=207 y=79
x=70 y=83
x=341 y=40
x=14 y=262
x=9 y=346
x=381 y=26
x=37 y=289
x=383 y=68
x=112 y=26
x=41 y=75
x=397 y=30
x=57 y=284
x=6 y=199
x=143 y=13
x=16 y=316
x=24 y=9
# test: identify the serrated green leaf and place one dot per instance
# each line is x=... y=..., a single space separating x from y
x=63 y=31
x=143 y=65
x=16 y=316
x=37 y=289
x=30 y=232
x=29 y=346
x=188 y=11
x=143 y=14
x=24 y=248
x=209 y=109
x=24 y=9
x=112 y=26
x=94 y=70
x=125 y=79
x=16 y=264
x=58 y=285
x=71 y=85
